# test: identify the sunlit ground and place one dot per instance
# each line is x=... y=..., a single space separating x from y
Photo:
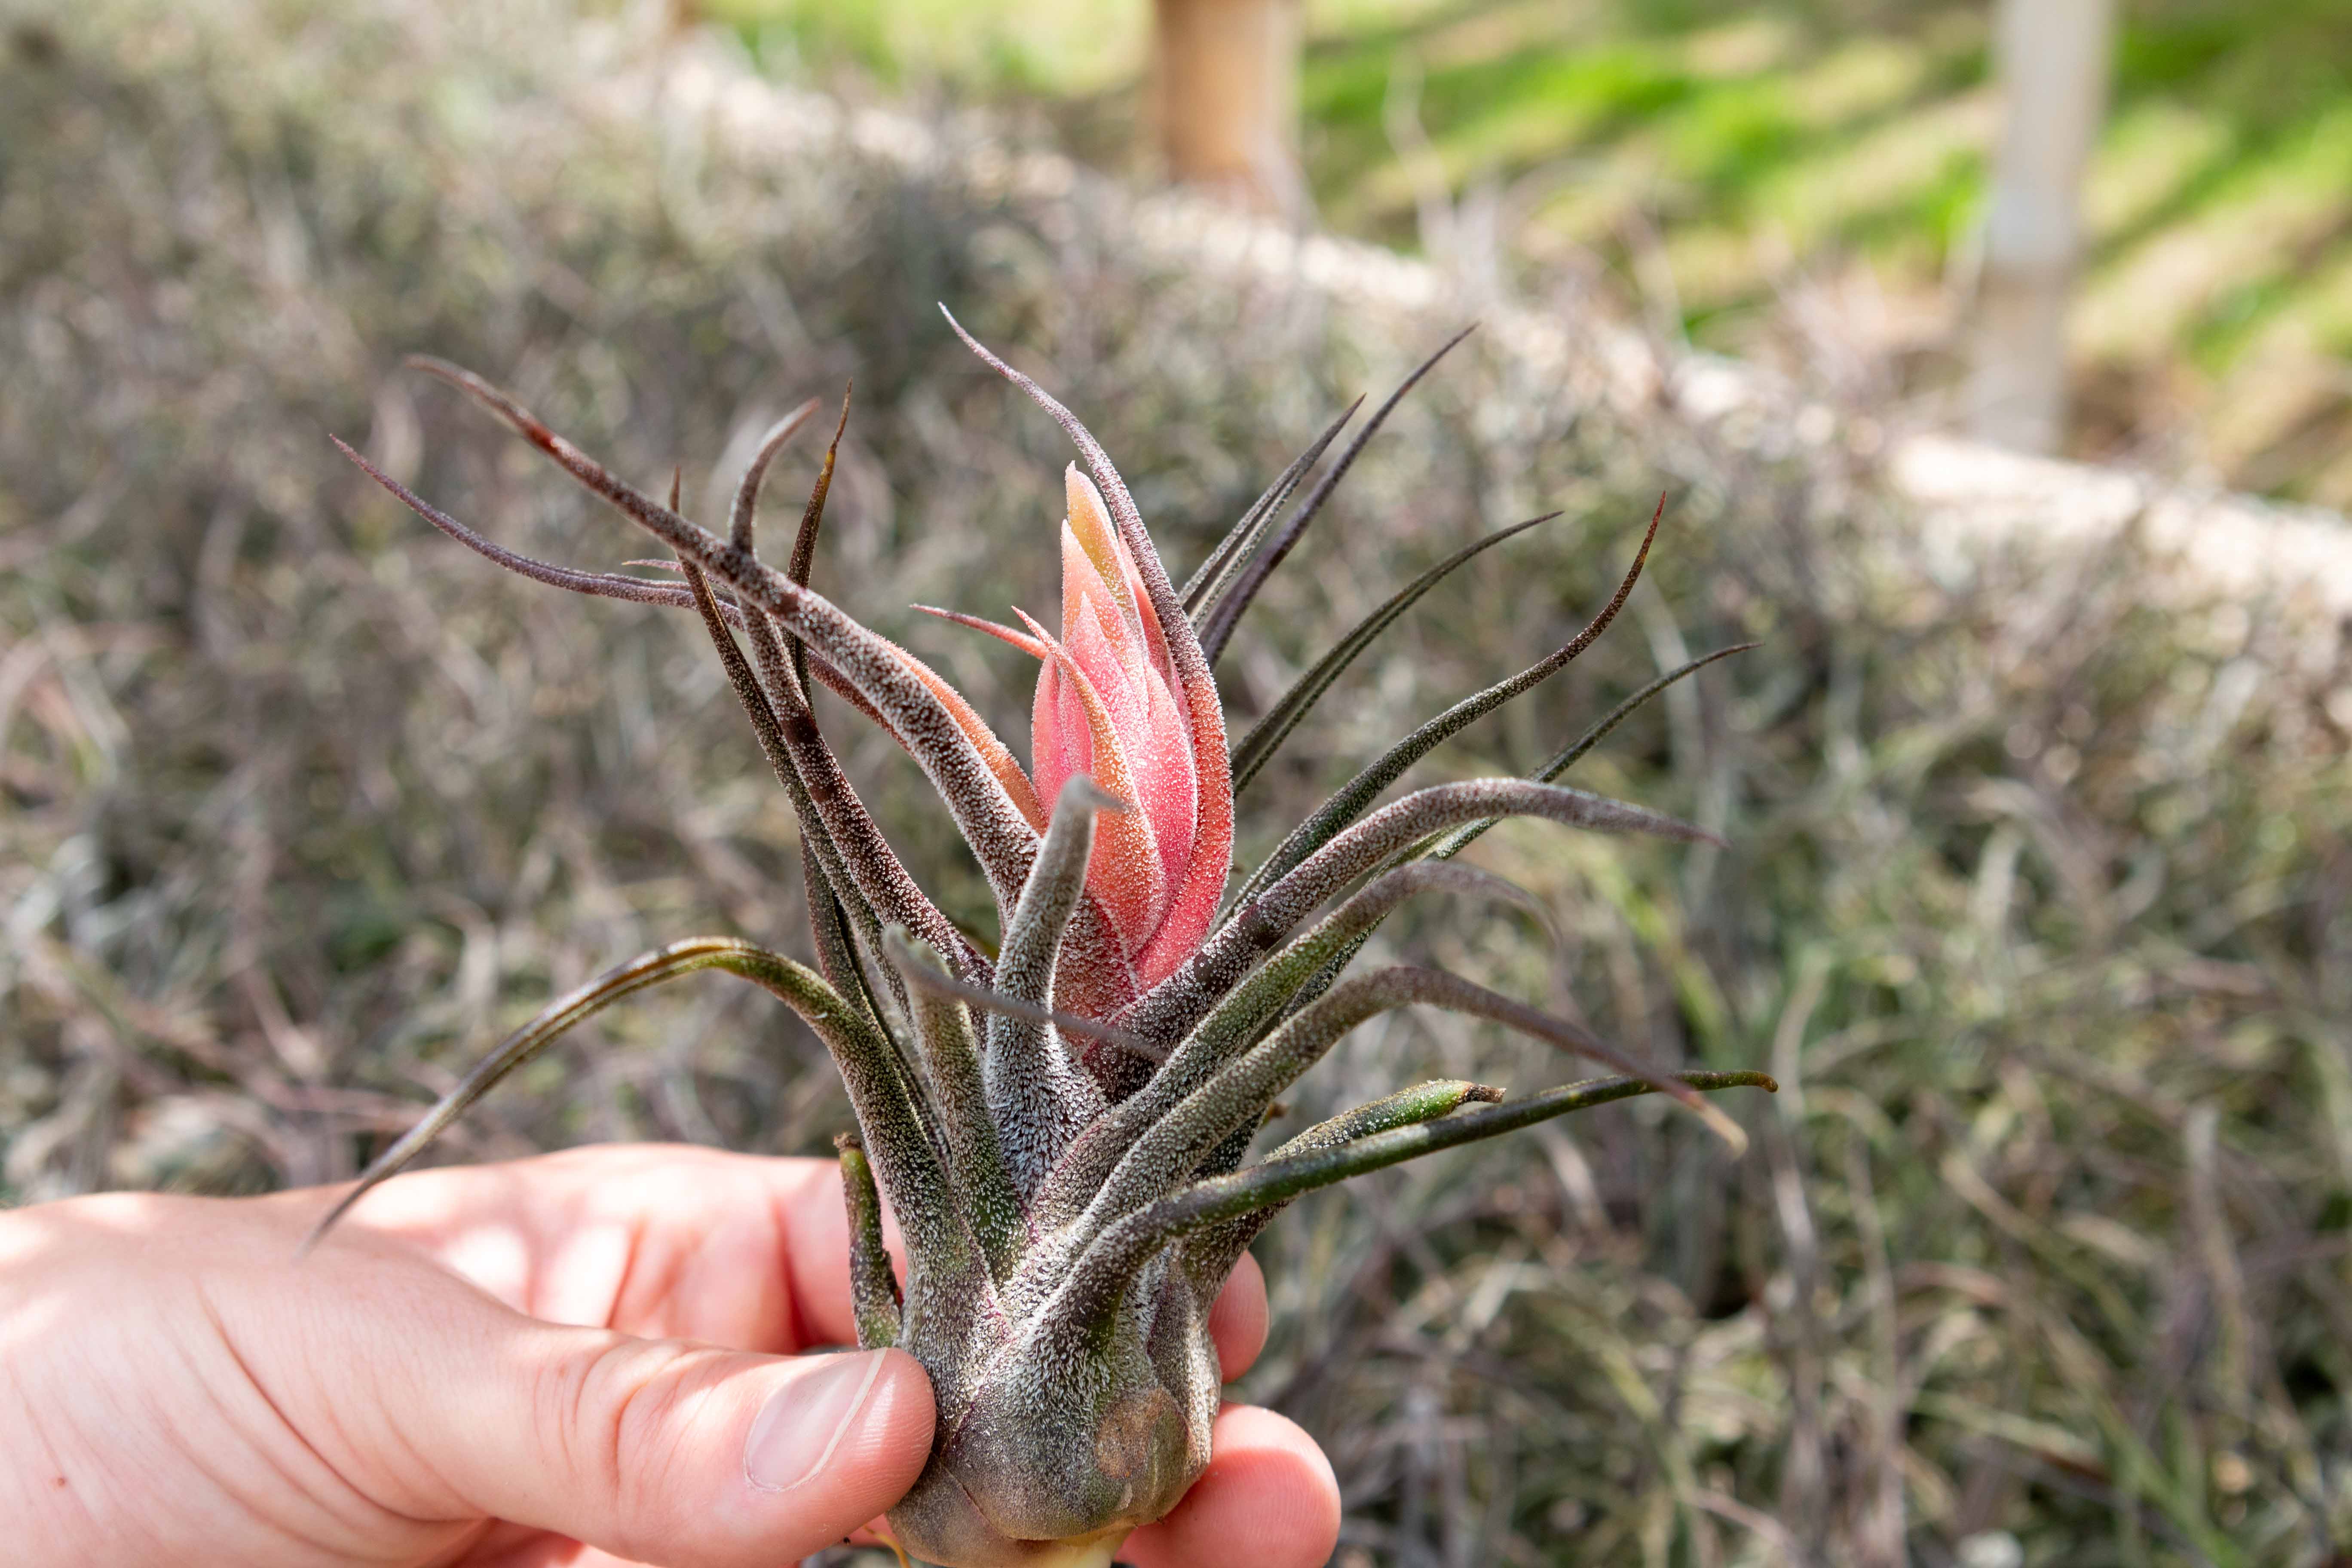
x=1709 y=157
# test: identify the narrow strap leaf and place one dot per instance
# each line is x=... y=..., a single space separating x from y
x=1002 y=634
x=990 y=1001
x=804 y=556
x=872 y=1284
x=999 y=837
x=1257 y=747
x=878 y=876
x=750 y=696
x=1057 y=885
x=1184 y=648
x=574 y=1006
x=836 y=948
x=775 y=721
x=1226 y=612
x=765 y=705
x=834 y=895
x=1102 y=1274
x=1040 y=1097
x=1358 y=793
x=1422 y=1102
x=617 y=586
x=1241 y=1019
x=1165 y=1151
x=1169 y=1150
x=1559 y=761
x=1211 y=1253
x=935 y=1235
x=747 y=492
x=947 y=1269
x=1243 y=537
x=1454 y=843
x=1170 y=1008
x=595 y=584
x=951 y=1056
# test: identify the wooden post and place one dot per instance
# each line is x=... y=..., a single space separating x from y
x=1225 y=98
x=2052 y=60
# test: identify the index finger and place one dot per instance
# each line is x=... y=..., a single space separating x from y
x=667 y=1240
x=750 y=1251
x=1238 y=1320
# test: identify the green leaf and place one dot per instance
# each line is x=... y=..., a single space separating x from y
x=1243 y=537
x=1102 y=1274
x=1211 y=1254
x=1257 y=747
x=1567 y=756
x=1169 y=1009
x=975 y=1158
x=1357 y=795
x=1240 y=1020
x=939 y=1245
x=1226 y=612
x=1460 y=838
x=872 y=1285
x=1173 y=1146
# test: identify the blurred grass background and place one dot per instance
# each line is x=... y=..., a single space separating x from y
x=2037 y=902
x=1707 y=158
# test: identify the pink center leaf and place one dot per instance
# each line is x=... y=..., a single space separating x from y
x=1111 y=704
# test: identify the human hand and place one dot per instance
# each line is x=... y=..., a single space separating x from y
x=588 y=1358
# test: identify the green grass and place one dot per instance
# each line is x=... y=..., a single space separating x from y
x=2036 y=897
x=1768 y=143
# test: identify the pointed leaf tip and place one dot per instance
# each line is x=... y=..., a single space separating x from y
x=1218 y=620
x=1082 y=790
x=746 y=490
x=1002 y=634
x=914 y=962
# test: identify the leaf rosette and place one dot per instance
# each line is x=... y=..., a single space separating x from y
x=1061 y=1127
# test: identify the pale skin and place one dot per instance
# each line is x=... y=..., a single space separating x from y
x=563 y=1360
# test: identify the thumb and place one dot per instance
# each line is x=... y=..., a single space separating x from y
x=669 y=1451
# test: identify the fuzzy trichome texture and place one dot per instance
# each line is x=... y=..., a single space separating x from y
x=1061 y=1127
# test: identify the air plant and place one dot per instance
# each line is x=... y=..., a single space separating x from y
x=1061 y=1126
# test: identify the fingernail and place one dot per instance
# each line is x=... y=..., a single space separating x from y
x=804 y=1421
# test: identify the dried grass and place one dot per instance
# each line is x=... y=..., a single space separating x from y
x=2037 y=903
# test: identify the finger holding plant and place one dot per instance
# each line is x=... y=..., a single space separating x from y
x=1059 y=1127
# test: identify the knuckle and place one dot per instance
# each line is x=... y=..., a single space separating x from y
x=619 y=1412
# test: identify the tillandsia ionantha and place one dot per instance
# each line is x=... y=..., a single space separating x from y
x=1060 y=1126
